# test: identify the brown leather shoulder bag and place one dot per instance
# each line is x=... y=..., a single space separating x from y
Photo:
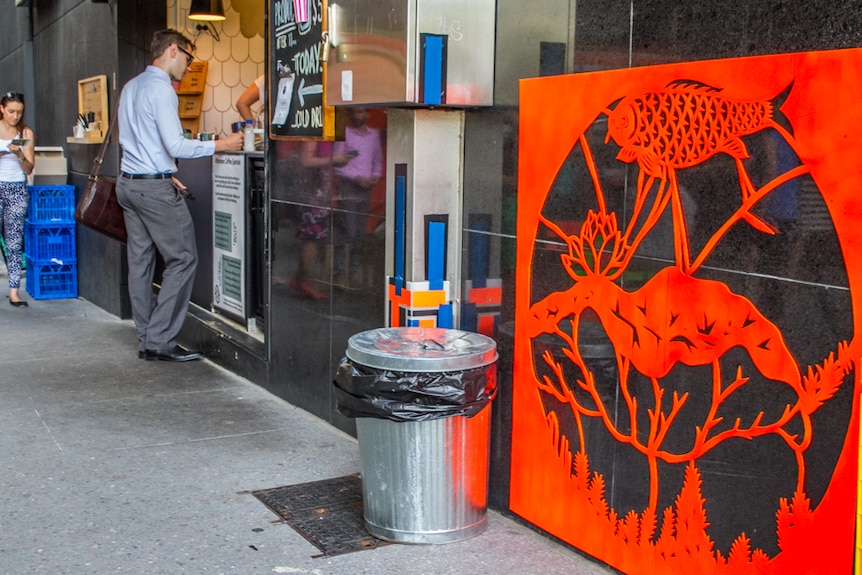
x=98 y=207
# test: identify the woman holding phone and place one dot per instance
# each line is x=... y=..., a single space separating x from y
x=17 y=154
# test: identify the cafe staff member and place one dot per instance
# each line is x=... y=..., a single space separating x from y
x=254 y=93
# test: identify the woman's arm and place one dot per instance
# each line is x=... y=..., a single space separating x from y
x=245 y=101
x=26 y=154
x=309 y=159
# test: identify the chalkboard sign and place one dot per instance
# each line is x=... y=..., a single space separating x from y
x=296 y=100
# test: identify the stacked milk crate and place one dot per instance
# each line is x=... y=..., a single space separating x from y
x=49 y=243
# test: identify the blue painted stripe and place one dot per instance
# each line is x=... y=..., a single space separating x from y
x=400 y=230
x=479 y=260
x=433 y=70
x=436 y=254
x=444 y=317
x=469 y=317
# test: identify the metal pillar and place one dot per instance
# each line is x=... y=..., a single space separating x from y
x=425 y=151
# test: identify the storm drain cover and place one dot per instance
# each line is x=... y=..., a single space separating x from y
x=327 y=513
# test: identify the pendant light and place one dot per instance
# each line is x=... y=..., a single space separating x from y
x=207 y=10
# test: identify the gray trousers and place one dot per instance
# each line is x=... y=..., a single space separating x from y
x=157 y=218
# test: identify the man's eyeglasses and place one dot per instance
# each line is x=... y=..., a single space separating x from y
x=189 y=57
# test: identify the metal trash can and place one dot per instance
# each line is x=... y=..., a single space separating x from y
x=422 y=402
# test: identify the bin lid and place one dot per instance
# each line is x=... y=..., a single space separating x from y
x=421 y=349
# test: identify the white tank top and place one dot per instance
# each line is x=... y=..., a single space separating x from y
x=10 y=167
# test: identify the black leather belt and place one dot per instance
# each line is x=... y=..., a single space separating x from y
x=145 y=176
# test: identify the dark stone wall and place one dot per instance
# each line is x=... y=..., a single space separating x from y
x=14 y=49
x=45 y=49
x=618 y=34
x=662 y=31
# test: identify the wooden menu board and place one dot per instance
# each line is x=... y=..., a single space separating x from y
x=195 y=79
x=93 y=97
x=295 y=87
x=189 y=107
x=190 y=91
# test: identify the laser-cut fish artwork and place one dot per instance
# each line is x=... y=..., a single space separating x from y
x=687 y=123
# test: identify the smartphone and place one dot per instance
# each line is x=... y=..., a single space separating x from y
x=20 y=141
x=185 y=192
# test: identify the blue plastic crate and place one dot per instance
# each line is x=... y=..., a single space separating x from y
x=48 y=242
x=51 y=280
x=55 y=204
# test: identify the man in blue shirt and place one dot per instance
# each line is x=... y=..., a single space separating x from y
x=157 y=218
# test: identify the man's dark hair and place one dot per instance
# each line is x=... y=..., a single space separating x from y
x=164 y=38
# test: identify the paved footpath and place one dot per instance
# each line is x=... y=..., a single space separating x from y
x=111 y=464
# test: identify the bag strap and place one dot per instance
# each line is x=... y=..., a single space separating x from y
x=97 y=161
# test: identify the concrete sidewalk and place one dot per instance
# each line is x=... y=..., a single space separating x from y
x=111 y=464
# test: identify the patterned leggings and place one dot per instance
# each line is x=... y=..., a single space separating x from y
x=14 y=199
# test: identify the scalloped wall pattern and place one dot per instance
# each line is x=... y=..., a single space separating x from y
x=235 y=61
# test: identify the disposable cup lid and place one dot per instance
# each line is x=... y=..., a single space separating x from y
x=421 y=349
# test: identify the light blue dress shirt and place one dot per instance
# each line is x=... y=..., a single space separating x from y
x=151 y=134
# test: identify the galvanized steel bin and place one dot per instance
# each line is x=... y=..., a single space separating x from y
x=422 y=402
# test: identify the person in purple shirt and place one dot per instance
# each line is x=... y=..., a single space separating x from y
x=355 y=179
x=157 y=218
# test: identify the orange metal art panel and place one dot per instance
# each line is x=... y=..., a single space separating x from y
x=717 y=432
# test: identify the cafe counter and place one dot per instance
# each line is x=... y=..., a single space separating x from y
x=230 y=229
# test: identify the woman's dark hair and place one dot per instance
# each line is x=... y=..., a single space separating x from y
x=164 y=38
x=15 y=97
x=12 y=97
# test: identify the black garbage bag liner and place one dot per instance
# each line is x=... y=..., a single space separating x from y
x=362 y=391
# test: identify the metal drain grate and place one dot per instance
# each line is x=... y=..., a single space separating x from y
x=327 y=513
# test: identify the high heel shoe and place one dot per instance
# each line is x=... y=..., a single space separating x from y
x=309 y=292
x=303 y=290
x=20 y=303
